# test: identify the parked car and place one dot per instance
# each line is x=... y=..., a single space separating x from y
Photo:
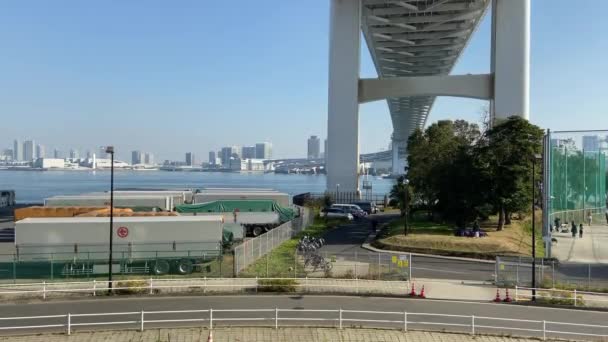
x=368 y=207
x=336 y=213
x=355 y=210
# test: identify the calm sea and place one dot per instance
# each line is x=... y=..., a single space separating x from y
x=34 y=186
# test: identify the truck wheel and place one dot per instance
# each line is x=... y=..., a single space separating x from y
x=257 y=230
x=160 y=267
x=185 y=266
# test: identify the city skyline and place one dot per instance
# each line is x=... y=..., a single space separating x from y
x=142 y=77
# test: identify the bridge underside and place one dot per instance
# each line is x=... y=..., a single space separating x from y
x=414 y=45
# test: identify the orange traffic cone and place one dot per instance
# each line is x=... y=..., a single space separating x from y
x=507 y=298
x=210 y=338
x=497 y=298
x=422 y=293
x=413 y=291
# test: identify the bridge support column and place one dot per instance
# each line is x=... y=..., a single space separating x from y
x=343 y=106
x=398 y=164
x=511 y=58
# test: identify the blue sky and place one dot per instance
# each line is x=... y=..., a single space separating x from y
x=171 y=77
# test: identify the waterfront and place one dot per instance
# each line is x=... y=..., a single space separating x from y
x=34 y=186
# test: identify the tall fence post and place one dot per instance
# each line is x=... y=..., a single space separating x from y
x=473 y=325
x=404 y=320
x=410 y=267
x=151 y=286
x=553 y=273
x=44 y=290
x=276 y=318
x=69 y=323
x=588 y=276
x=94 y=287
x=210 y=318
x=516 y=292
x=574 y=297
x=141 y=321
x=340 y=319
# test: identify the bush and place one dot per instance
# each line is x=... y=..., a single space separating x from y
x=559 y=298
x=277 y=285
x=129 y=287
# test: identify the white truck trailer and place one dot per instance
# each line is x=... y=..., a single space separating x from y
x=254 y=223
x=163 y=202
x=217 y=195
x=156 y=245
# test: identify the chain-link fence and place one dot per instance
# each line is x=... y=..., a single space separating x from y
x=321 y=264
x=251 y=250
x=575 y=176
x=93 y=264
x=551 y=273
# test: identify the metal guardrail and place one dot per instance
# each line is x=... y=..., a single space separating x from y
x=565 y=297
x=152 y=285
x=277 y=317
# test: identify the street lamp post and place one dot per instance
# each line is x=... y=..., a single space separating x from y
x=536 y=157
x=110 y=150
x=405 y=206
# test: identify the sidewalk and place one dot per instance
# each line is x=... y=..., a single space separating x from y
x=264 y=334
x=591 y=248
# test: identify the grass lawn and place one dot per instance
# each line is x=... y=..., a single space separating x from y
x=282 y=261
x=437 y=238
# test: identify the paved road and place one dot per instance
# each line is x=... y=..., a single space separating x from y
x=347 y=240
x=257 y=303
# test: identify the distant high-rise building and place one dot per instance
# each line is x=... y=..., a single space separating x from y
x=190 y=159
x=148 y=158
x=40 y=151
x=248 y=152
x=591 y=143
x=229 y=152
x=212 y=157
x=74 y=154
x=325 y=149
x=29 y=150
x=314 y=147
x=263 y=150
x=88 y=154
x=136 y=157
x=17 y=151
x=57 y=154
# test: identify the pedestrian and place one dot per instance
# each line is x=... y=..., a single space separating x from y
x=589 y=218
x=373 y=225
x=606 y=215
x=573 y=229
x=580 y=231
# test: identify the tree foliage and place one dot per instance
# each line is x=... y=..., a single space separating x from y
x=460 y=174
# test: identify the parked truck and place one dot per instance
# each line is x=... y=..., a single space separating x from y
x=147 y=202
x=256 y=216
x=154 y=245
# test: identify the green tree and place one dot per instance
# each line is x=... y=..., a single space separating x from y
x=505 y=158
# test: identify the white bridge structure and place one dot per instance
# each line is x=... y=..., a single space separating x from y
x=414 y=45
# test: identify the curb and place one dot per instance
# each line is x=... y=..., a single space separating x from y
x=368 y=246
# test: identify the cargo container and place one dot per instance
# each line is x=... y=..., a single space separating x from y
x=188 y=193
x=155 y=245
x=36 y=211
x=179 y=197
x=254 y=224
x=209 y=196
x=147 y=202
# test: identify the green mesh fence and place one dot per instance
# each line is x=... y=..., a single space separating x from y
x=577 y=176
